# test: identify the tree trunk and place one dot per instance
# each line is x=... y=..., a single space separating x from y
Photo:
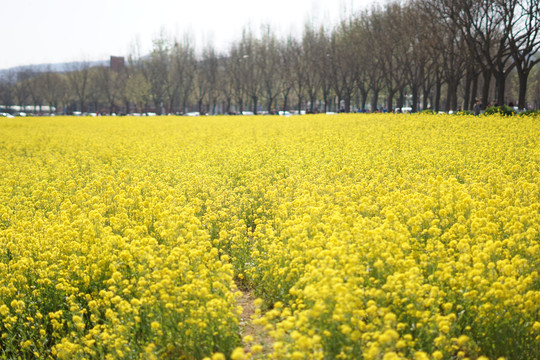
x=312 y=103
x=501 y=85
x=363 y=100
x=375 y=100
x=425 y=97
x=415 y=91
x=523 y=77
x=228 y=105
x=240 y=105
x=269 y=104
x=347 y=102
x=390 y=100
x=451 y=96
x=199 y=106
x=447 y=104
x=455 y=95
x=486 y=76
x=255 y=104
x=438 y=86
x=474 y=90
x=401 y=98
x=468 y=83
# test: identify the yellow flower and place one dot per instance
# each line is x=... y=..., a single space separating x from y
x=437 y=355
x=257 y=349
x=218 y=356
x=462 y=340
x=421 y=355
x=349 y=236
x=391 y=356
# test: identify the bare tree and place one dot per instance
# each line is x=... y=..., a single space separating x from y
x=205 y=79
x=359 y=43
x=311 y=52
x=344 y=63
x=35 y=90
x=235 y=66
x=7 y=85
x=21 y=90
x=486 y=33
x=211 y=61
x=182 y=73
x=324 y=65
x=226 y=83
x=373 y=25
x=416 y=56
x=393 y=47
x=156 y=70
x=109 y=85
x=268 y=62
x=287 y=74
x=299 y=69
x=451 y=57
x=95 y=95
x=522 y=17
x=138 y=90
x=535 y=95
x=249 y=64
x=78 y=75
x=54 y=87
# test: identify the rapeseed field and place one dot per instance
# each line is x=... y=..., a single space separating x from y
x=363 y=236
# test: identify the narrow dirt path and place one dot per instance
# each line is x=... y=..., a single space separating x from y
x=247 y=327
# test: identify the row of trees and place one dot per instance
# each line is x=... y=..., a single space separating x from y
x=441 y=54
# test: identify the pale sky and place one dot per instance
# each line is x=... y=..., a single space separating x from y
x=55 y=31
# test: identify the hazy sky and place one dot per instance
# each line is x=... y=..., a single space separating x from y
x=53 y=31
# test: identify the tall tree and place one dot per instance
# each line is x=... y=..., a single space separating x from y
x=249 y=65
x=288 y=60
x=35 y=90
x=268 y=62
x=182 y=74
x=21 y=89
x=156 y=70
x=108 y=83
x=384 y=37
x=522 y=17
x=299 y=69
x=205 y=79
x=482 y=23
x=344 y=63
x=324 y=66
x=236 y=66
x=7 y=85
x=54 y=86
x=377 y=66
x=453 y=57
x=138 y=90
x=78 y=75
x=311 y=52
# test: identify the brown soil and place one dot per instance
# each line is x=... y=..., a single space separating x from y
x=247 y=327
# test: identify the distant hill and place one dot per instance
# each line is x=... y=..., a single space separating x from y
x=58 y=67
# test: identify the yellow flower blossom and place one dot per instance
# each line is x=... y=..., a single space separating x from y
x=398 y=235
